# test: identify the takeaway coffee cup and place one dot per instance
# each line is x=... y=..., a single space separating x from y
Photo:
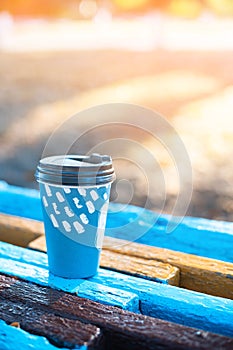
x=75 y=194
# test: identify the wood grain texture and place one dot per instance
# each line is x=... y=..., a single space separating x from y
x=196 y=273
x=145 y=268
x=16 y=338
x=197 y=236
x=60 y=331
x=38 y=243
x=19 y=231
x=201 y=274
x=33 y=266
x=158 y=300
x=36 y=308
x=154 y=270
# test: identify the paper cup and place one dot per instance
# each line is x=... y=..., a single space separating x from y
x=75 y=194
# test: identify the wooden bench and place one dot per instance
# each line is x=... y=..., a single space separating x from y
x=148 y=285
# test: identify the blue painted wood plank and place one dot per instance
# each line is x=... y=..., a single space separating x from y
x=20 y=201
x=24 y=263
x=16 y=338
x=176 y=304
x=24 y=255
x=195 y=236
x=158 y=300
x=104 y=295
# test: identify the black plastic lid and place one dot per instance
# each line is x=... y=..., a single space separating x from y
x=76 y=170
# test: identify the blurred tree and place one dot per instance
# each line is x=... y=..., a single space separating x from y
x=128 y=5
x=37 y=8
x=185 y=8
x=221 y=7
x=71 y=8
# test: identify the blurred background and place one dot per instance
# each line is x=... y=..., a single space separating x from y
x=59 y=57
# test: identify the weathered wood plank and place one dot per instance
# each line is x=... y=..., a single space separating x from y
x=37 y=244
x=150 y=269
x=16 y=338
x=158 y=300
x=60 y=331
x=145 y=268
x=34 y=305
x=19 y=231
x=196 y=273
x=201 y=274
x=33 y=267
x=20 y=201
x=160 y=272
x=194 y=235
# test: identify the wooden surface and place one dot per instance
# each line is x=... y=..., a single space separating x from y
x=150 y=269
x=19 y=231
x=10 y=336
x=160 y=272
x=128 y=292
x=67 y=320
x=60 y=331
x=197 y=236
x=196 y=273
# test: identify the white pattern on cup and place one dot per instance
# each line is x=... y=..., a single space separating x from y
x=60 y=197
x=67 y=190
x=48 y=190
x=68 y=212
x=76 y=202
x=84 y=219
x=54 y=221
x=67 y=226
x=90 y=207
x=45 y=201
x=78 y=227
x=82 y=191
x=94 y=195
x=55 y=209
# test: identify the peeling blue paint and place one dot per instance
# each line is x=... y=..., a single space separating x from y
x=167 y=302
x=16 y=338
x=104 y=294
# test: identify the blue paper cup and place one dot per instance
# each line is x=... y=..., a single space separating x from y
x=75 y=194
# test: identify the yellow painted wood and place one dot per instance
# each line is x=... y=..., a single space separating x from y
x=38 y=244
x=19 y=231
x=151 y=269
x=197 y=273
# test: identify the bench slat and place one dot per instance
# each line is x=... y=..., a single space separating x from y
x=10 y=336
x=150 y=269
x=163 y=273
x=61 y=331
x=198 y=236
x=158 y=300
x=201 y=274
x=19 y=231
x=122 y=329
x=196 y=273
x=32 y=266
